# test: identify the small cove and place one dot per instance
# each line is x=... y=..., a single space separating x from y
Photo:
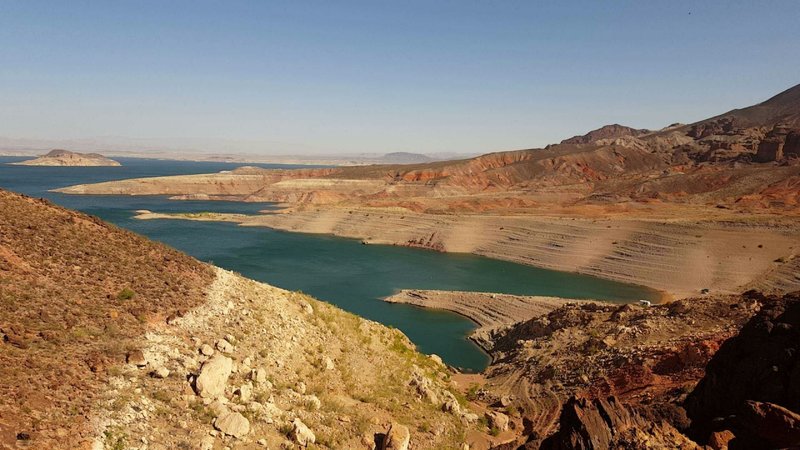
x=341 y=271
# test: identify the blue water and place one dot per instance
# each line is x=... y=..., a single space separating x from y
x=342 y=271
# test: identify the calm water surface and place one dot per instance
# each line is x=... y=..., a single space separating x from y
x=341 y=271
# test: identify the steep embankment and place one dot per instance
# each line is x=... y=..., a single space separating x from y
x=113 y=339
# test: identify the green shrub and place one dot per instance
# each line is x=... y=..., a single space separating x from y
x=126 y=294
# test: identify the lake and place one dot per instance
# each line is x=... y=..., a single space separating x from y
x=341 y=271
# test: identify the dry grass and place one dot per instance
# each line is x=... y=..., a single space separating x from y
x=75 y=294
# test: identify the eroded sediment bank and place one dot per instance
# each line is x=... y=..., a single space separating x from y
x=490 y=311
x=678 y=256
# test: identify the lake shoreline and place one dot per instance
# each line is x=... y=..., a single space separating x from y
x=490 y=311
x=625 y=250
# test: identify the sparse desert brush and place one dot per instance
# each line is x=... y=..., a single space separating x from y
x=126 y=294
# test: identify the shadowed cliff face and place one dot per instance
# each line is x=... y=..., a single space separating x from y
x=752 y=385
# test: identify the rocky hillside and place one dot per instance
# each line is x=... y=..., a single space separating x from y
x=112 y=340
x=68 y=158
x=636 y=354
x=750 y=395
x=76 y=294
x=718 y=373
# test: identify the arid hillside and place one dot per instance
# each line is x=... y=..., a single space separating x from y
x=110 y=340
x=76 y=294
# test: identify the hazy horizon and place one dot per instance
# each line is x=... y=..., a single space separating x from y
x=352 y=78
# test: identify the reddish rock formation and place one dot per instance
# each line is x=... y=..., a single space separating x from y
x=608 y=424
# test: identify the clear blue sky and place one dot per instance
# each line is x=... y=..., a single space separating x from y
x=379 y=76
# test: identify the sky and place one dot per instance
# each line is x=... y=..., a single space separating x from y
x=322 y=77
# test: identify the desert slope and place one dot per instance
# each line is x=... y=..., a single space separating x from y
x=70 y=159
x=111 y=339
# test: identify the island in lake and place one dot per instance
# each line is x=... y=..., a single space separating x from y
x=72 y=159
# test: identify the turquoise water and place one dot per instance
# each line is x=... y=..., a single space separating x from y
x=342 y=271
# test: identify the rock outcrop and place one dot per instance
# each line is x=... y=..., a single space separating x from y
x=752 y=384
x=614 y=131
x=602 y=424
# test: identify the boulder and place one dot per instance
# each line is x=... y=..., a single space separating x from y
x=301 y=434
x=719 y=439
x=397 y=437
x=161 y=372
x=224 y=346
x=233 y=424
x=213 y=377
x=245 y=392
x=136 y=357
x=497 y=420
x=451 y=405
x=771 y=423
x=206 y=350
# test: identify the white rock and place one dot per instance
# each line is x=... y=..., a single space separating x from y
x=224 y=346
x=327 y=363
x=218 y=408
x=397 y=437
x=301 y=387
x=245 y=392
x=233 y=424
x=302 y=434
x=207 y=350
x=213 y=377
x=470 y=417
x=451 y=405
x=497 y=420
x=207 y=443
x=259 y=375
x=161 y=372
